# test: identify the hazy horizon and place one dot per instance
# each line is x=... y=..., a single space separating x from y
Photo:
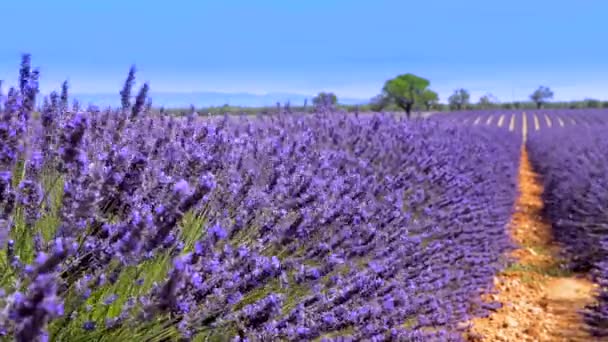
x=204 y=99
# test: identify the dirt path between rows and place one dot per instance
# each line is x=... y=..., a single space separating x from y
x=541 y=301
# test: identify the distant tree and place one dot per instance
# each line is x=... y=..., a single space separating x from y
x=429 y=99
x=406 y=90
x=459 y=99
x=541 y=95
x=324 y=99
x=378 y=102
x=593 y=103
x=487 y=101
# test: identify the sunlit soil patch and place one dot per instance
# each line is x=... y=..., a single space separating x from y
x=541 y=299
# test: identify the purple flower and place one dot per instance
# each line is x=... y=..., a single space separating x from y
x=110 y=299
x=217 y=232
x=182 y=188
x=89 y=325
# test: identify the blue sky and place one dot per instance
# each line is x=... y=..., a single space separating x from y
x=347 y=46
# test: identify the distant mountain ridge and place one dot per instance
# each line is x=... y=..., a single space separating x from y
x=206 y=99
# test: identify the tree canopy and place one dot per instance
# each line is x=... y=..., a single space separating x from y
x=324 y=99
x=487 y=101
x=406 y=90
x=541 y=95
x=429 y=98
x=459 y=99
x=379 y=102
x=592 y=103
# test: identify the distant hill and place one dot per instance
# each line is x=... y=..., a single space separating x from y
x=204 y=99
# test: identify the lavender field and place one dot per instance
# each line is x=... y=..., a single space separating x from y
x=574 y=166
x=568 y=149
x=126 y=224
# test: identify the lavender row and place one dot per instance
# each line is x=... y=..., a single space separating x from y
x=537 y=121
x=587 y=116
x=573 y=164
x=128 y=224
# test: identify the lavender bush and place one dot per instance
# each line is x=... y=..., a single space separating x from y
x=124 y=224
x=573 y=164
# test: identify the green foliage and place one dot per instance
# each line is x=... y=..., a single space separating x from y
x=541 y=95
x=346 y=331
x=22 y=234
x=379 y=102
x=459 y=99
x=429 y=98
x=406 y=90
x=324 y=98
x=487 y=101
x=382 y=102
x=556 y=269
x=592 y=103
x=576 y=105
x=151 y=271
x=77 y=309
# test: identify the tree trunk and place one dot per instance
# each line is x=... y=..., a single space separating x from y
x=408 y=109
x=539 y=105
